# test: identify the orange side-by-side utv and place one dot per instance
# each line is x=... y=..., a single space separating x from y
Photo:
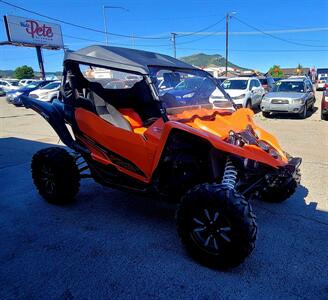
x=145 y=122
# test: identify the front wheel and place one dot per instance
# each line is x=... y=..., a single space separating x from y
x=303 y=114
x=265 y=114
x=55 y=175
x=281 y=192
x=216 y=225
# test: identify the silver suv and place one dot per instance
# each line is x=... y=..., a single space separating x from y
x=293 y=96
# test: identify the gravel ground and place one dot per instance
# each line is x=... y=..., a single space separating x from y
x=113 y=245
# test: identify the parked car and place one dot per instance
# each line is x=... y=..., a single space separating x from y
x=294 y=96
x=267 y=82
x=322 y=84
x=244 y=91
x=14 y=97
x=324 y=106
x=24 y=82
x=190 y=91
x=2 y=92
x=47 y=93
x=9 y=84
x=276 y=79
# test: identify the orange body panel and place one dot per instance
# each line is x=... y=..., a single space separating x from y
x=144 y=147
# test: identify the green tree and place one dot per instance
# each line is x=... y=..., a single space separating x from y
x=275 y=71
x=25 y=72
x=299 y=69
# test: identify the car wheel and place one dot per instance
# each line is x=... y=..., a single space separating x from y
x=249 y=104
x=303 y=114
x=216 y=225
x=324 y=117
x=55 y=175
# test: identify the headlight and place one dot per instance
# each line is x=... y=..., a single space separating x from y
x=298 y=101
x=265 y=99
x=242 y=96
x=17 y=94
x=188 y=95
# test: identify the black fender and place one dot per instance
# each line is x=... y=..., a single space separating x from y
x=54 y=114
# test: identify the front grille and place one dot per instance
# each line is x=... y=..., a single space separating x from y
x=279 y=101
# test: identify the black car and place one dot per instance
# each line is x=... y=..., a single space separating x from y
x=14 y=97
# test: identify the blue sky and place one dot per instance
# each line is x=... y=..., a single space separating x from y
x=160 y=18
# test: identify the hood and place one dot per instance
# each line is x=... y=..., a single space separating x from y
x=284 y=95
x=210 y=122
x=235 y=93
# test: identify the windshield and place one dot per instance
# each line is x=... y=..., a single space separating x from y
x=235 y=84
x=190 y=89
x=289 y=86
x=51 y=85
x=14 y=83
x=33 y=85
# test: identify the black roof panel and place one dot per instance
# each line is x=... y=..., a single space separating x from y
x=124 y=58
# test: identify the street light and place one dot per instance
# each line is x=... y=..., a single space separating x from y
x=228 y=16
x=105 y=19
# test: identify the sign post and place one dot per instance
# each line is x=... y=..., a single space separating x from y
x=26 y=32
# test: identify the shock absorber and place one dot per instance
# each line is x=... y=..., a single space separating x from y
x=230 y=175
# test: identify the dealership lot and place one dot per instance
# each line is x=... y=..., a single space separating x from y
x=110 y=244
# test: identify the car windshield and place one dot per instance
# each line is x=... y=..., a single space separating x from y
x=187 y=89
x=51 y=85
x=14 y=83
x=33 y=85
x=324 y=78
x=289 y=86
x=235 y=84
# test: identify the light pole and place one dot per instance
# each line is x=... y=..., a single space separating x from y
x=174 y=35
x=228 y=16
x=105 y=18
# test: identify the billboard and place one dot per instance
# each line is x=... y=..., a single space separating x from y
x=29 y=32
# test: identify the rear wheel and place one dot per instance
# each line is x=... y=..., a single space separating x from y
x=55 y=175
x=216 y=225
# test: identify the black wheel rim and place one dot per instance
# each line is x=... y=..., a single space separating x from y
x=48 y=179
x=211 y=230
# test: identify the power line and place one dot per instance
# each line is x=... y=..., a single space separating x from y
x=81 y=26
x=256 y=50
x=201 y=30
x=276 y=37
x=198 y=39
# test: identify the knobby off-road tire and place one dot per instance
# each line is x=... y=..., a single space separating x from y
x=279 y=193
x=55 y=175
x=233 y=229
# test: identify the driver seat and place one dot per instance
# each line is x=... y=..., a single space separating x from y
x=108 y=112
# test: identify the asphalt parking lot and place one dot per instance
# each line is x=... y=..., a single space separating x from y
x=113 y=245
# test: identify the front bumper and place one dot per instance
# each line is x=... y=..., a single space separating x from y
x=289 y=108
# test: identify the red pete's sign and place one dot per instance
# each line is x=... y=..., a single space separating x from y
x=34 y=28
x=33 y=32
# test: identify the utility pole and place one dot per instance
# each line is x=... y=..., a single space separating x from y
x=133 y=41
x=228 y=16
x=174 y=44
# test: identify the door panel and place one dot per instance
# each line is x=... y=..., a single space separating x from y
x=121 y=145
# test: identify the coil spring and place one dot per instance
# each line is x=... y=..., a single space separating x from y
x=230 y=175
